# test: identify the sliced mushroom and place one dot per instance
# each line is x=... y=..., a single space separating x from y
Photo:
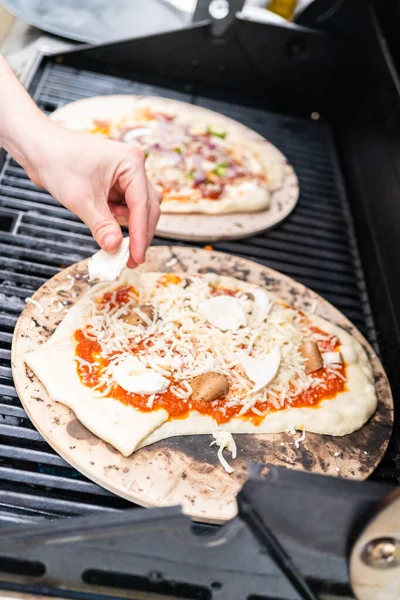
x=314 y=361
x=209 y=386
x=133 y=318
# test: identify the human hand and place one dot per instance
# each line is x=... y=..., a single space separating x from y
x=103 y=182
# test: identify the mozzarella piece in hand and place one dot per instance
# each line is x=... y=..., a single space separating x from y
x=223 y=312
x=133 y=376
x=107 y=266
x=262 y=370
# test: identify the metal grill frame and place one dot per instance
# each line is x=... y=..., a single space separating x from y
x=36 y=482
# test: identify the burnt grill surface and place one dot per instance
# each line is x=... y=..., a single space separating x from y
x=315 y=245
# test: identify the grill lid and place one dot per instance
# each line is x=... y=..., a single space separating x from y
x=96 y=21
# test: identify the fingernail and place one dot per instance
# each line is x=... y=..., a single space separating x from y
x=110 y=241
x=139 y=259
x=131 y=264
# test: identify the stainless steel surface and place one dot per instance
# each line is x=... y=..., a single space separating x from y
x=375 y=558
x=219 y=9
x=382 y=553
x=96 y=21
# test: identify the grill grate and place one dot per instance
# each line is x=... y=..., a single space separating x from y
x=315 y=245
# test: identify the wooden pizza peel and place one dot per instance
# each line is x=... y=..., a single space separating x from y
x=185 y=470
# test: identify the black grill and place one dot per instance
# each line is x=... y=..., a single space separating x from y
x=316 y=245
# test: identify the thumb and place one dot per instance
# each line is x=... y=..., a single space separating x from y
x=103 y=226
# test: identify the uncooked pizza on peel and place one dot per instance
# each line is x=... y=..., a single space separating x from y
x=201 y=161
x=155 y=355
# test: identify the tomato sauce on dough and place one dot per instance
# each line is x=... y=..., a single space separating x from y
x=89 y=350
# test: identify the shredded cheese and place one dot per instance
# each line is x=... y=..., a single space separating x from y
x=300 y=439
x=66 y=287
x=180 y=393
x=180 y=343
x=84 y=363
x=145 y=318
x=223 y=439
x=30 y=300
x=59 y=308
x=336 y=373
x=171 y=262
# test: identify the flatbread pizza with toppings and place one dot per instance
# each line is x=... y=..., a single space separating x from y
x=201 y=161
x=153 y=355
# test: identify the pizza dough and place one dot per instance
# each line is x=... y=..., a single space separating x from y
x=201 y=161
x=124 y=427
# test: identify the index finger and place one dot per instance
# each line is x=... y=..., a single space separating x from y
x=137 y=199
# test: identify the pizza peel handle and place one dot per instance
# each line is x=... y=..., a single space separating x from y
x=185 y=470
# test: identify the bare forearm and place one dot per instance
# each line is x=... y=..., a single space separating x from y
x=21 y=121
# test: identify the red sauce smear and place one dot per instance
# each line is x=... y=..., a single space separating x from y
x=215 y=291
x=118 y=297
x=89 y=350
